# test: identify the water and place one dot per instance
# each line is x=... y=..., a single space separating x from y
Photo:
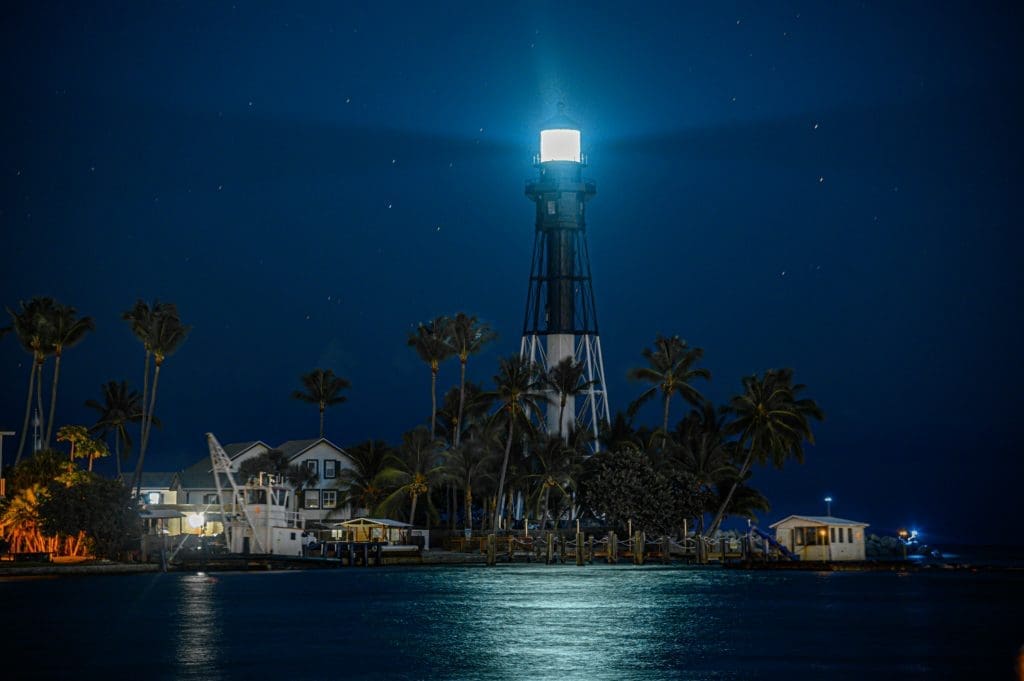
x=515 y=622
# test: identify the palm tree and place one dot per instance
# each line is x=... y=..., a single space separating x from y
x=566 y=380
x=517 y=395
x=161 y=332
x=323 y=389
x=772 y=422
x=120 y=406
x=67 y=331
x=432 y=343
x=468 y=336
x=413 y=471
x=671 y=370
x=550 y=467
x=32 y=325
x=470 y=464
x=360 y=484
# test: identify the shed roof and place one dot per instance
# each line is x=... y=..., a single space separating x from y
x=824 y=520
x=367 y=522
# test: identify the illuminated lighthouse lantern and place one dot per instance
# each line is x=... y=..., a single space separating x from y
x=561 y=318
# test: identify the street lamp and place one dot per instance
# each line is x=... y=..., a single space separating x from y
x=828 y=506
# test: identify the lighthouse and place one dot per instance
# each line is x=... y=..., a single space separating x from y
x=561 y=317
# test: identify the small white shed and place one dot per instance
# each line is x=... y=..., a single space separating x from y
x=815 y=537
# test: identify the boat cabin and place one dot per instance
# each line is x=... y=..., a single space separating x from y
x=261 y=520
x=824 y=538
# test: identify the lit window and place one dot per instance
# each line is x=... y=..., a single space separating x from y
x=153 y=497
x=312 y=498
x=330 y=468
x=330 y=498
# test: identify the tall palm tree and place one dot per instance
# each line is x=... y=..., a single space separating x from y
x=120 y=407
x=517 y=395
x=413 y=471
x=432 y=342
x=322 y=388
x=773 y=423
x=468 y=336
x=549 y=467
x=565 y=379
x=671 y=370
x=32 y=325
x=360 y=485
x=161 y=332
x=68 y=331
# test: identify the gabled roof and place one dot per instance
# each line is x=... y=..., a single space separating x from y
x=294 y=448
x=824 y=520
x=198 y=475
x=158 y=480
x=236 y=448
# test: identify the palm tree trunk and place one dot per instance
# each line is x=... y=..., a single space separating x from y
x=561 y=419
x=544 y=518
x=321 y=421
x=412 y=511
x=145 y=394
x=713 y=527
x=664 y=422
x=53 y=400
x=39 y=393
x=117 y=451
x=433 y=403
x=28 y=412
x=504 y=468
x=462 y=401
x=148 y=424
x=469 y=508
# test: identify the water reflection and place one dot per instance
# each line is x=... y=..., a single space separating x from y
x=199 y=628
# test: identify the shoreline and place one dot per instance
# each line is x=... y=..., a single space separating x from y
x=258 y=563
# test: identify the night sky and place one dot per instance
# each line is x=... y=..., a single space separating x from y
x=833 y=188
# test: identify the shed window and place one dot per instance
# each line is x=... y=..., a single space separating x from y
x=832 y=533
x=849 y=531
x=840 y=535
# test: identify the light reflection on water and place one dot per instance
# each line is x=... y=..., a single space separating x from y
x=198 y=630
x=512 y=622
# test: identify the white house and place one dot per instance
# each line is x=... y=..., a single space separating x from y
x=193 y=491
x=823 y=538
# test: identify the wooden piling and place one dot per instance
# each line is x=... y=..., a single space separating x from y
x=492 y=549
x=579 y=548
x=666 y=551
x=638 y=548
x=613 y=548
x=550 y=547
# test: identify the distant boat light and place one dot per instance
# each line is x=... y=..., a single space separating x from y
x=560 y=144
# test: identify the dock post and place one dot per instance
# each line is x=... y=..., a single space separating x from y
x=491 y=549
x=550 y=558
x=666 y=548
x=378 y=554
x=613 y=548
x=579 y=548
x=638 y=547
x=511 y=550
x=366 y=555
x=351 y=550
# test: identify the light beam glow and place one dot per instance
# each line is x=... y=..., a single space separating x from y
x=560 y=145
